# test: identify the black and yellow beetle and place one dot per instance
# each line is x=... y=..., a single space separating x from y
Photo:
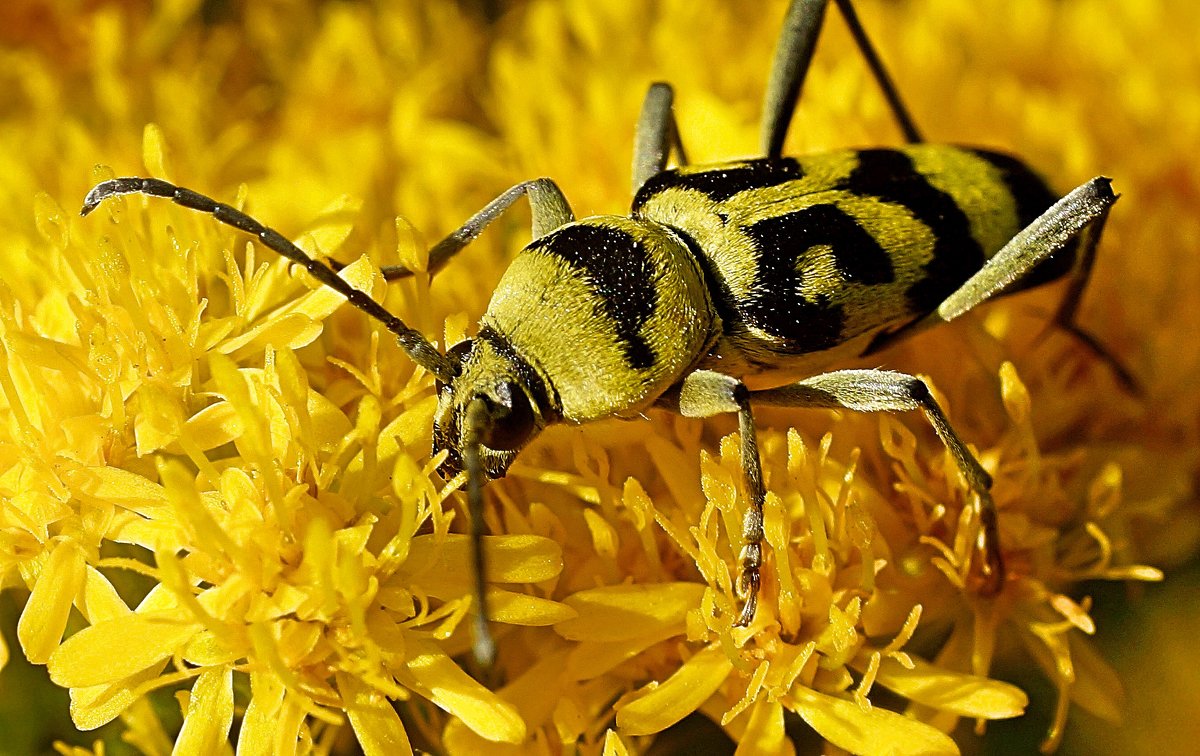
x=731 y=286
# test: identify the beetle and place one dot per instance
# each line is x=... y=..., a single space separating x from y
x=731 y=286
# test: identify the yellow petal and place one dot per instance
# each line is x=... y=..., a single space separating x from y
x=213 y=426
x=448 y=566
x=207 y=649
x=376 y=724
x=535 y=694
x=144 y=730
x=764 y=732
x=590 y=659
x=49 y=217
x=118 y=648
x=875 y=731
x=45 y=616
x=260 y=724
x=273 y=722
x=158 y=420
x=96 y=706
x=112 y=485
x=209 y=714
x=520 y=609
x=1097 y=687
x=620 y=612
x=330 y=229
x=100 y=599
x=955 y=692
x=155 y=152
x=321 y=302
x=614 y=746
x=436 y=677
x=289 y=331
x=657 y=707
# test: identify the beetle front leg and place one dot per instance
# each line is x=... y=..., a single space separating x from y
x=550 y=210
x=705 y=393
x=888 y=391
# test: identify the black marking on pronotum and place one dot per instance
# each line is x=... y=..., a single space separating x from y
x=620 y=272
x=721 y=184
x=891 y=176
x=1033 y=198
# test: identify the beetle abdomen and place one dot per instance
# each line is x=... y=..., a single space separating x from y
x=810 y=257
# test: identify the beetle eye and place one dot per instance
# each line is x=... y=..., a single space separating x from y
x=510 y=421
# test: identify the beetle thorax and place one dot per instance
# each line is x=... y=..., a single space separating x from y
x=611 y=311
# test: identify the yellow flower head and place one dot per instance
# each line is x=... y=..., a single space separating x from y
x=215 y=478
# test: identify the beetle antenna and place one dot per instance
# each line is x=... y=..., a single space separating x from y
x=413 y=342
x=476 y=420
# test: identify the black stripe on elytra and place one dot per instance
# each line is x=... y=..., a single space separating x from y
x=620 y=273
x=721 y=184
x=1033 y=198
x=891 y=176
x=777 y=304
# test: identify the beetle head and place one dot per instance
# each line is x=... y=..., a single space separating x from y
x=496 y=402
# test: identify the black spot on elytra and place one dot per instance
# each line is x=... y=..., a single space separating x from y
x=890 y=176
x=777 y=304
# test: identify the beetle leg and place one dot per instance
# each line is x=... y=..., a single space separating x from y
x=704 y=393
x=656 y=136
x=1065 y=316
x=1043 y=237
x=890 y=93
x=550 y=210
x=1003 y=273
x=793 y=54
x=887 y=391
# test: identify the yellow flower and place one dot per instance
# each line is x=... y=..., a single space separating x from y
x=215 y=479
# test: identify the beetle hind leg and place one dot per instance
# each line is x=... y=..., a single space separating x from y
x=1068 y=309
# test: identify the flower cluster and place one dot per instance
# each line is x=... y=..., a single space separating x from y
x=215 y=477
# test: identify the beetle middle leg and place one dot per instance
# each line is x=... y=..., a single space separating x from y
x=705 y=393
